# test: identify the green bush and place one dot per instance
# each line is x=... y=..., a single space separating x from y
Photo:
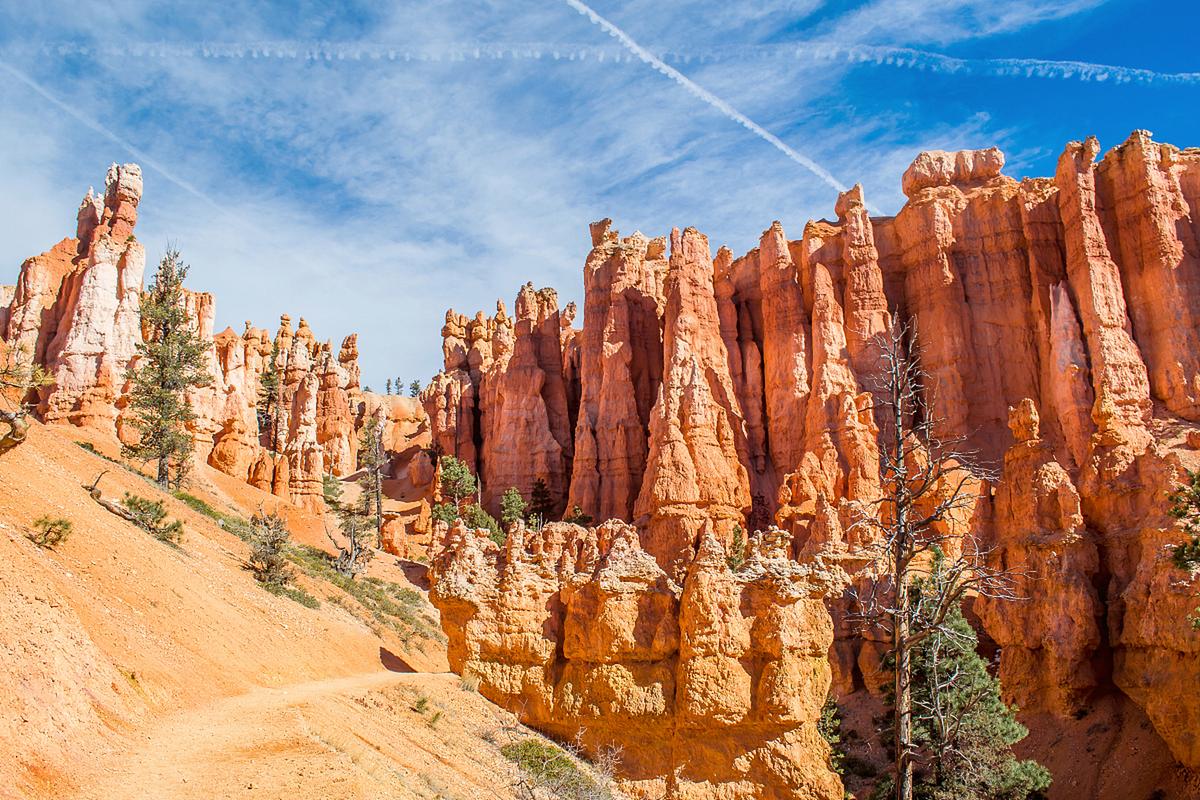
x=551 y=771
x=49 y=531
x=150 y=516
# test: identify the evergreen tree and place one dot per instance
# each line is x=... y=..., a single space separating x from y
x=512 y=506
x=389 y=386
x=456 y=481
x=963 y=732
x=541 y=504
x=1185 y=507
x=270 y=399
x=926 y=481
x=414 y=389
x=458 y=488
x=578 y=517
x=372 y=460
x=171 y=360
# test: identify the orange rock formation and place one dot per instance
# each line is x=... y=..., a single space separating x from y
x=717 y=394
x=75 y=310
x=711 y=688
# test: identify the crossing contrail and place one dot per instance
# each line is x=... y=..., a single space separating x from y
x=708 y=97
x=141 y=156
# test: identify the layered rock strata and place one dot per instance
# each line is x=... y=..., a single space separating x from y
x=710 y=688
x=726 y=393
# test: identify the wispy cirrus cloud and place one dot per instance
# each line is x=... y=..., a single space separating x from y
x=371 y=170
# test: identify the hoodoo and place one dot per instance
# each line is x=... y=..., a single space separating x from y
x=715 y=415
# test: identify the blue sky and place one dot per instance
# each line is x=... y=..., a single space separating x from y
x=367 y=165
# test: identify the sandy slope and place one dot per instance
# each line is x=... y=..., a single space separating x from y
x=356 y=737
x=122 y=659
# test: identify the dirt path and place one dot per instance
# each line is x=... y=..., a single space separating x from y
x=366 y=736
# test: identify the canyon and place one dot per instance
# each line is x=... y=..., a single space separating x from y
x=710 y=400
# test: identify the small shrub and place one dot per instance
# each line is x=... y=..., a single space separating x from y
x=737 y=549
x=150 y=516
x=577 y=517
x=469 y=682
x=476 y=517
x=267 y=543
x=49 y=531
x=421 y=704
x=550 y=771
x=830 y=728
x=293 y=593
x=433 y=721
x=444 y=512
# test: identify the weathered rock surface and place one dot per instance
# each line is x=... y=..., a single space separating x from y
x=712 y=688
x=722 y=393
x=75 y=310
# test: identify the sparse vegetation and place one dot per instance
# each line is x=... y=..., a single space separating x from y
x=268 y=540
x=469 y=682
x=232 y=523
x=736 y=555
x=151 y=516
x=49 y=531
x=577 y=517
x=388 y=604
x=1185 y=507
x=546 y=770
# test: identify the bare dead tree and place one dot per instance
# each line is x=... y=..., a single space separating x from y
x=19 y=376
x=353 y=554
x=924 y=562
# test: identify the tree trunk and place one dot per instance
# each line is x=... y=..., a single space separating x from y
x=164 y=473
x=904 y=770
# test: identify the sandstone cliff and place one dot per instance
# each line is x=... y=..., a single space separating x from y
x=714 y=394
x=711 y=688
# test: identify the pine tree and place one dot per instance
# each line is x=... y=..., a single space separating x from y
x=389 y=386
x=414 y=389
x=927 y=480
x=270 y=399
x=170 y=361
x=456 y=481
x=372 y=460
x=963 y=732
x=541 y=504
x=512 y=506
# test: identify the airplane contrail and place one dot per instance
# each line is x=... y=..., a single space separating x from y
x=816 y=52
x=140 y=155
x=708 y=97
